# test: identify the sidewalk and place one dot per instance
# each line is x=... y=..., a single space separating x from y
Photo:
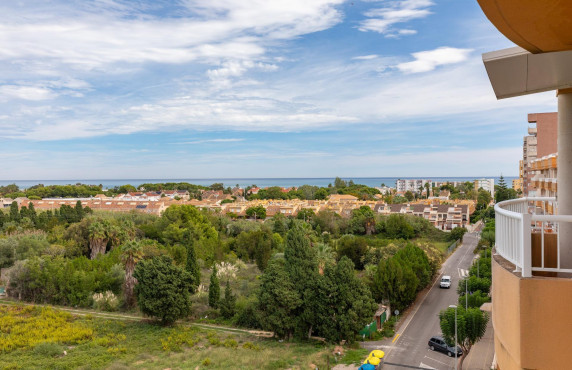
x=481 y=355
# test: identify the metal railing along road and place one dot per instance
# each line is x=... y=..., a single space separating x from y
x=516 y=220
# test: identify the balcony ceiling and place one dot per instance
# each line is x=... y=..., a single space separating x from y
x=538 y=26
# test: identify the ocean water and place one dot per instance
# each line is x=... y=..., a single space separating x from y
x=243 y=182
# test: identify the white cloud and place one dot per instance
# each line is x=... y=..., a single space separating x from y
x=212 y=141
x=84 y=39
x=429 y=60
x=383 y=20
x=32 y=93
x=365 y=57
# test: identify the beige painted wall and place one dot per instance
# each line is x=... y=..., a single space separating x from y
x=532 y=321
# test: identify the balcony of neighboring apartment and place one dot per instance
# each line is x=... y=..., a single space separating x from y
x=532 y=285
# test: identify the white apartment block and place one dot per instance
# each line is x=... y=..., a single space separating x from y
x=412 y=185
x=486 y=184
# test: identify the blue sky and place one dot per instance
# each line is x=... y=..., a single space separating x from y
x=93 y=89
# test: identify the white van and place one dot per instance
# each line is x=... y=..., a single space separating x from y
x=445 y=282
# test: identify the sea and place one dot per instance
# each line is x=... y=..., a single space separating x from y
x=243 y=182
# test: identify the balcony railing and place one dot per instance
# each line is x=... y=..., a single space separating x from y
x=528 y=237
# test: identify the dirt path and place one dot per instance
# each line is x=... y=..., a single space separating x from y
x=130 y=317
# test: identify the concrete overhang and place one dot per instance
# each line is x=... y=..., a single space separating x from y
x=539 y=26
x=516 y=72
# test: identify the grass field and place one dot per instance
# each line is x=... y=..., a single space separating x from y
x=36 y=338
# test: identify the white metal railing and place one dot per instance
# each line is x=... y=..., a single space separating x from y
x=515 y=222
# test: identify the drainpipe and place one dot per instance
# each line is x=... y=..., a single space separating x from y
x=564 y=197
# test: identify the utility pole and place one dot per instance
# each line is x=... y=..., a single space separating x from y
x=456 y=362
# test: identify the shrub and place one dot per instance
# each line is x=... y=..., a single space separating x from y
x=163 y=289
x=230 y=343
x=29 y=326
x=252 y=346
x=48 y=349
x=248 y=315
x=206 y=362
x=105 y=301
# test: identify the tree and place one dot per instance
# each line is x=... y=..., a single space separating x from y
x=353 y=247
x=474 y=300
x=362 y=221
x=339 y=183
x=258 y=212
x=131 y=253
x=192 y=266
x=483 y=199
x=228 y=304
x=306 y=214
x=324 y=256
x=489 y=237
x=344 y=304
x=397 y=227
x=123 y=189
x=473 y=284
x=163 y=289
x=409 y=195
x=100 y=233
x=302 y=268
x=395 y=281
x=471 y=326
x=457 y=233
x=80 y=212
x=214 y=289
x=14 y=213
x=278 y=300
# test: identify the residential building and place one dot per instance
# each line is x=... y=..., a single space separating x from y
x=540 y=141
x=486 y=184
x=532 y=261
x=544 y=180
x=517 y=184
x=412 y=185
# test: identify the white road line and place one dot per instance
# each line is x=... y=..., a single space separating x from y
x=423 y=366
x=412 y=316
x=432 y=359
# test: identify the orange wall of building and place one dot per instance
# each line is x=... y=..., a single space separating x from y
x=547 y=132
x=532 y=319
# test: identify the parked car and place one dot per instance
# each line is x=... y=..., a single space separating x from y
x=438 y=344
x=445 y=282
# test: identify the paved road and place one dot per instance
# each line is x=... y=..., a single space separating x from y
x=409 y=347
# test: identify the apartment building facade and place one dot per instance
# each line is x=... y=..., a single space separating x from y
x=412 y=185
x=540 y=141
x=532 y=263
x=486 y=184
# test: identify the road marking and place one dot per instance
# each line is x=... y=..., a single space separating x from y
x=423 y=366
x=462 y=272
x=432 y=359
x=394 y=339
x=414 y=312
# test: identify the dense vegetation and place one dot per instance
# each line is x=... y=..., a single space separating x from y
x=45 y=338
x=471 y=322
x=314 y=275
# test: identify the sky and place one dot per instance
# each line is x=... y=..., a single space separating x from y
x=102 y=89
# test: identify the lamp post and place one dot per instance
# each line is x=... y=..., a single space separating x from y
x=466 y=295
x=456 y=362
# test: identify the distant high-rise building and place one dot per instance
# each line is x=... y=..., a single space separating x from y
x=541 y=141
x=486 y=184
x=413 y=185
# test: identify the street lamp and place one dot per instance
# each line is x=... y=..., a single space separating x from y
x=456 y=362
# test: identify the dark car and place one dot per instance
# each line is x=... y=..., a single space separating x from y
x=438 y=344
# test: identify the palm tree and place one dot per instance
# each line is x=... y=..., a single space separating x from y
x=98 y=237
x=131 y=253
x=324 y=256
